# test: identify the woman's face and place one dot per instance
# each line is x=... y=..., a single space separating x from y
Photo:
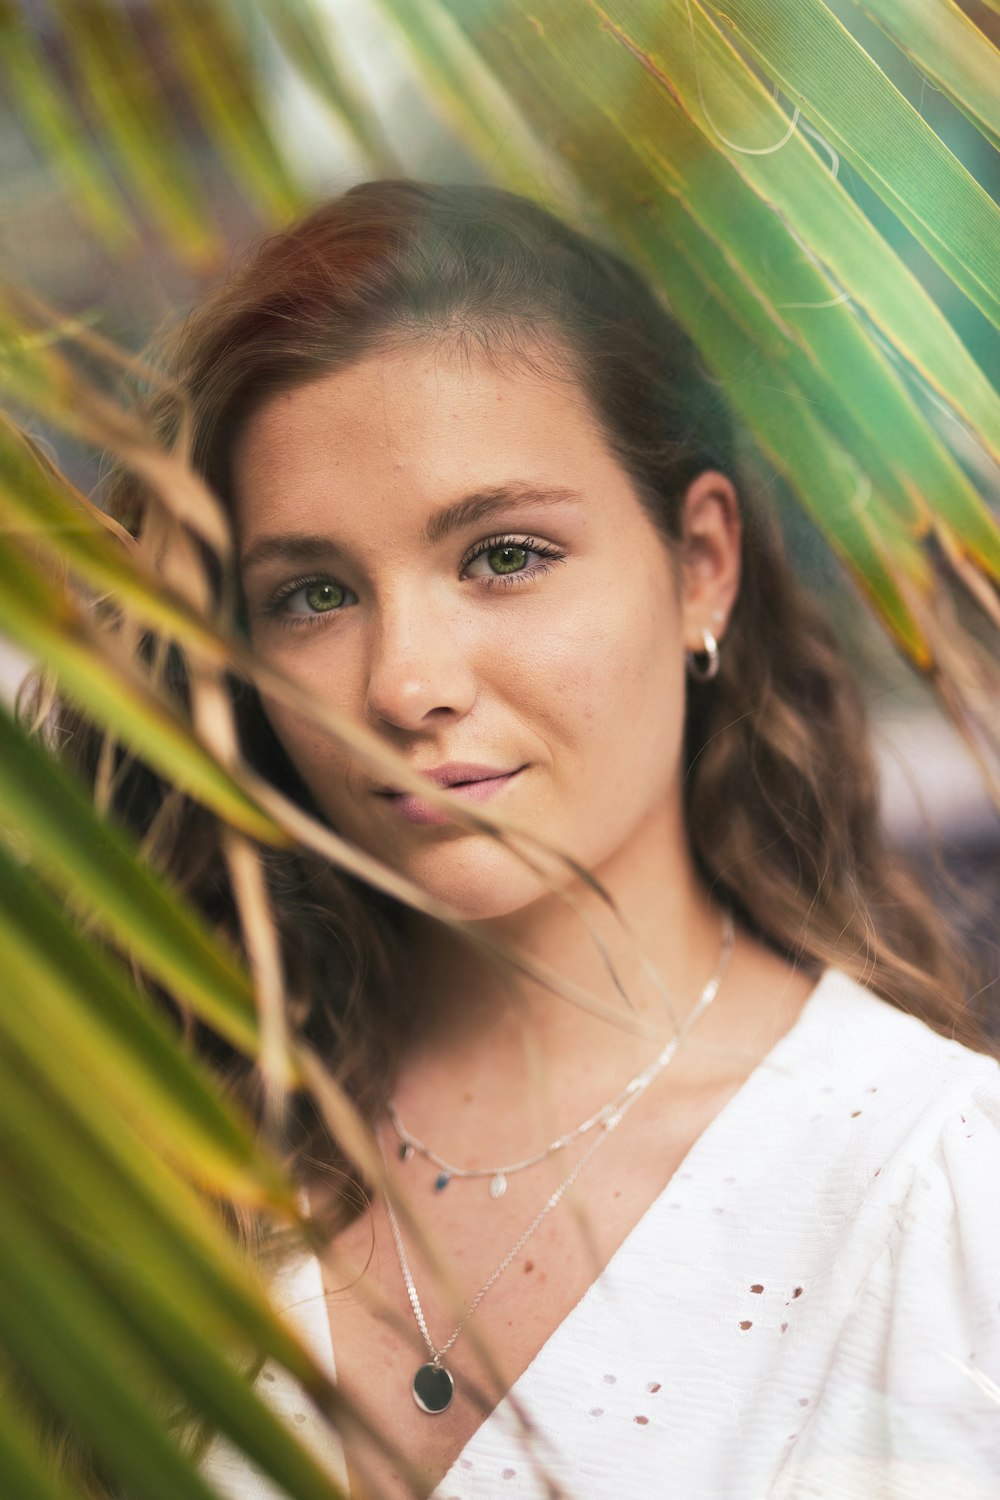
x=445 y=548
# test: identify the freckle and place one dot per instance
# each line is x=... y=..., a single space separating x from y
x=803 y=1400
x=640 y=1421
x=467 y=1097
x=746 y=1324
x=529 y=1266
x=507 y=1473
x=617 y=1192
x=855 y=1113
x=757 y=1287
x=653 y=1387
x=797 y=1292
x=597 y=1411
x=611 y=1380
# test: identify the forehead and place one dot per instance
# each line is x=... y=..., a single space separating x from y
x=413 y=427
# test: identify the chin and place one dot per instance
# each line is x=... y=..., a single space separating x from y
x=478 y=878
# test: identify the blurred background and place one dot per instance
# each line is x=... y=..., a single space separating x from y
x=79 y=227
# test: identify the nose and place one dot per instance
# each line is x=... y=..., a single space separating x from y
x=420 y=669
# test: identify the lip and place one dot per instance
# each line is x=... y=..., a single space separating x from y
x=475 y=783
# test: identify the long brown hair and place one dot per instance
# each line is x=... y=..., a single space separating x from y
x=780 y=780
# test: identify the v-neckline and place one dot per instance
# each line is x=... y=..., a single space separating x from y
x=775 y=1060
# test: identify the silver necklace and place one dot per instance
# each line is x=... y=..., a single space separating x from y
x=409 y=1143
x=433 y=1384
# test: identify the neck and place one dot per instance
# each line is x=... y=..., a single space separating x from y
x=483 y=1033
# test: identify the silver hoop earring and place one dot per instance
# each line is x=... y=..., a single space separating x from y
x=703 y=665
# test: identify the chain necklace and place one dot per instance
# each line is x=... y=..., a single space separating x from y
x=433 y=1384
x=408 y=1142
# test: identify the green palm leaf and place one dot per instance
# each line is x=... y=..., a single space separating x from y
x=43 y=617
x=46 y=112
x=128 y=1309
x=307 y=44
x=802 y=45
x=947 y=47
x=53 y=1319
x=121 y=95
x=628 y=99
x=879 y=552
x=463 y=88
x=212 y=46
x=82 y=1009
x=88 y=861
x=22 y=1461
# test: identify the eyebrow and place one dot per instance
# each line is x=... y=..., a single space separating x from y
x=470 y=510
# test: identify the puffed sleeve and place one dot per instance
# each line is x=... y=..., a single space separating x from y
x=942 y=1359
x=911 y=1405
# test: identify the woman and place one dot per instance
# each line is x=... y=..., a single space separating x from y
x=487 y=503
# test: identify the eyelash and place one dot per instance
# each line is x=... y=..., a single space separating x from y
x=549 y=554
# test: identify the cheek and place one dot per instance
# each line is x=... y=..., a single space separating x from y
x=605 y=680
x=326 y=679
x=324 y=765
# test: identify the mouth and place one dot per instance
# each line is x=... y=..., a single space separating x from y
x=472 y=782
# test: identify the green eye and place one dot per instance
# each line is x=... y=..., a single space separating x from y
x=321 y=597
x=507 y=559
x=499 y=559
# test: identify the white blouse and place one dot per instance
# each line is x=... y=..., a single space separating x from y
x=810 y=1310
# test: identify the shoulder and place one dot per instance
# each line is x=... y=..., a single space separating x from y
x=899 y=1149
x=872 y=1104
x=903 y=1077
x=914 y=1121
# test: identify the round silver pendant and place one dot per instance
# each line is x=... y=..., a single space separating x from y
x=433 y=1388
x=498 y=1186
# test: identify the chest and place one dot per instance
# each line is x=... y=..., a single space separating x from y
x=376 y=1339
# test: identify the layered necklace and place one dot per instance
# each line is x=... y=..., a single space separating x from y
x=433 y=1384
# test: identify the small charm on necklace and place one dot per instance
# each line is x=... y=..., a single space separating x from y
x=441 y=1181
x=405 y=1150
x=433 y=1388
x=498 y=1185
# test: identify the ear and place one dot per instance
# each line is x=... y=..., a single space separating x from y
x=710 y=556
